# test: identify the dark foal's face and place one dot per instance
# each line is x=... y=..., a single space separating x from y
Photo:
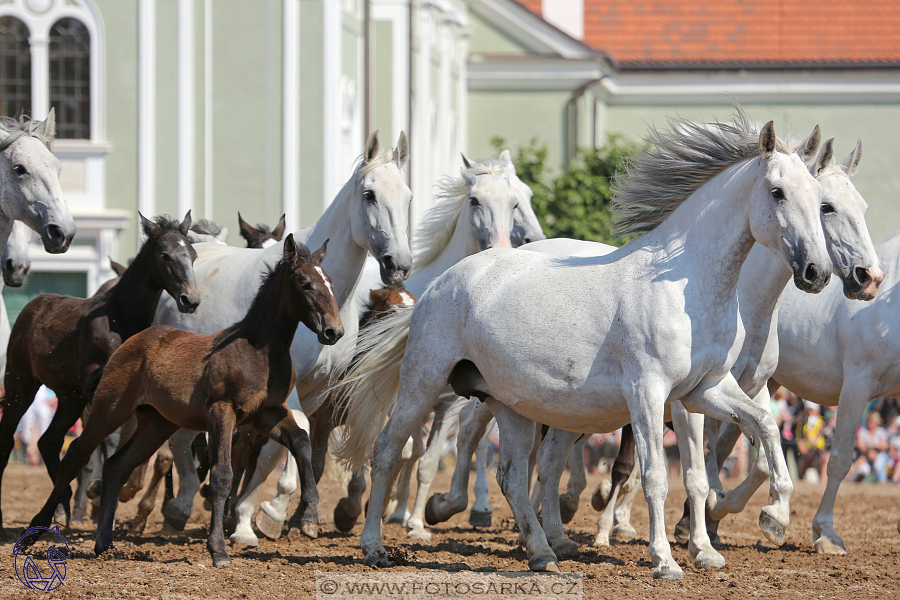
x=173 y=264
x=260 y=237
x=312 y=300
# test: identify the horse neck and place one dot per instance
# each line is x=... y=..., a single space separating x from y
x=267 y=325
x=136 y=295
x=345 y=259
x=708 y=238
x=761 y=285
x=455 y=250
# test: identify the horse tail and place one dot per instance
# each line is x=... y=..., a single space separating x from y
x=335 y=470
x=366 y=395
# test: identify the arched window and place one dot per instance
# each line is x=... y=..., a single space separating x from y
x=15 y=68
x=70 y=78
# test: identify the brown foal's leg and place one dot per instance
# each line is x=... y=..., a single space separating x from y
x=279 y=424
x=220 y=421
x=161 y=467
x=20 y=391
x=151 y=432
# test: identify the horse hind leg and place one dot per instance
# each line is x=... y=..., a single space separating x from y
x=69 y=409
x=481 y=513
x=21 y=388
x=287 y=485
x=269 y=456
x=177 y=511
x=621 y=472
x=400 y=513
x=551 y=461
x=161 y=467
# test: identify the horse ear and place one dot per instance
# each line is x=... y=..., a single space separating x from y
x=810 y=145
x=150 y=228
x=319 y=254
x=850 y=165
x=247 y=230
x=278 y=232
x=48 y=130
x=116 y=267
x=470 y=179
x=185 y=225
x=506 y=161
x=466 y=162
x=767 y=140
x=222 y=234
x=401 y=152
x=290 y=249
x=824 y=158
x=372 y=147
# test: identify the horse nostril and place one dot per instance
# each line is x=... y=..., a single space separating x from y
x=329 y=334
x=861 y=275
x=55 y=233
x=8 y=265
x=184 y=300
x=811 y=273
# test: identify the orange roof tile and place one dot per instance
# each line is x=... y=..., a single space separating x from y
x=648 y=32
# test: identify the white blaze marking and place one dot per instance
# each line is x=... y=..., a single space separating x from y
x=269 y=242
x=325 y=279
x=407 y=299
x=183 y=245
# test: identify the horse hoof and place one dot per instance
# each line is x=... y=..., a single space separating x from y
x=709 y=560
x=378 y=560
x=824 y=545
x=396 y=519
x=623 y=533
x=137 y=525
x=175 y=518
x=345 y=514
x=128 y=492
x=59 y=515
x=566 y=549
x=773 y=530
x=479 y=518
x=682 y=532
x=419 y=534
x=310 y=529
x=543 y=564
x=567 y=510
x=93 y=490
x=102 y=546
x=668 y=573
x=221 y=561
x=600 y=543
x=270 y=526
x=245 y=538
x=432 y=516
x=601 y=495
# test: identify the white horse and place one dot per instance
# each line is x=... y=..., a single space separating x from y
x=837 y=353
x=29 y=183
x=655 y=321
x=369 y=214
x=473 y=212
x=764 y=279
x=15 y=266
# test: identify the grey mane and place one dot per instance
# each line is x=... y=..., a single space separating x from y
x=17 y=128
x=206 y=227
x=676 y=164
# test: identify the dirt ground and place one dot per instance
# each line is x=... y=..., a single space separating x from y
x=177 y=565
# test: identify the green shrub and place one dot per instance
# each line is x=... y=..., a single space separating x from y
x=574 y=203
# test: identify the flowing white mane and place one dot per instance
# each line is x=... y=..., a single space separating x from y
x=17 y=128
x=677 y=163
x=439 y=223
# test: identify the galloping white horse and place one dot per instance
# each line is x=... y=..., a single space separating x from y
x=473 y=212
x=29 y=183
x=764 y=279
x=369 y=214
x=655 y=321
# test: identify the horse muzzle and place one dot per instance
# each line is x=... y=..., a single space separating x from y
x=394 y=271
x=863 y=284
x=57 y=238
x=329 y=334
x=811 y=278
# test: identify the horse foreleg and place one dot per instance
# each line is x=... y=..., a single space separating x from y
x=517 y=436
x=480 y=515
x=279 y=424
x=568 y=502
x=349 y=508
x=177 y=511
x=20 y=392
x=473 y=421
x=135 y=482
x=320 y=425
x=689 y=433
x=855 y=394
x=621 y=472
x=221 y=422
x=446 y=413
x=242 y=445
x=69 y=410
x=401 y=513
x=161 y=467
x=287 y=485
x=623 y=530
x=551 y=461
x=269 y=456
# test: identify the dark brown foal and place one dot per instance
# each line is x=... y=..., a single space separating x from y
x=65 y=342
x=241 y=375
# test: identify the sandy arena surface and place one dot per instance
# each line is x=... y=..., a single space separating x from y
x=176 y=566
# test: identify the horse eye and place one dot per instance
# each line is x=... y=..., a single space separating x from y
x=307 y=286
x=516 y=207
x=827 y=208
x=167 y=258
x=778 y=193
x=474 y=202
x=20 y=169
x=369 y=196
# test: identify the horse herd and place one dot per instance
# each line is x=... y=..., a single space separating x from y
x=686 y=324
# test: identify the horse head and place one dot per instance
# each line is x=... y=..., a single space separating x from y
x=311 y=298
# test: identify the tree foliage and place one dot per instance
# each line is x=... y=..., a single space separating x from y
x=574 y=203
